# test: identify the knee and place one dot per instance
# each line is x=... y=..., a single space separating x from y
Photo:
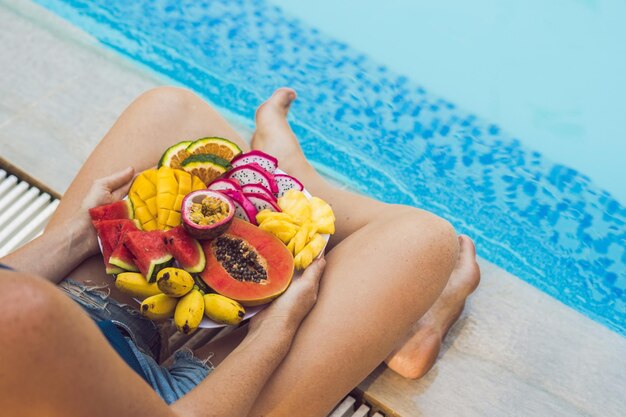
x=169 y=100
x=429 y=238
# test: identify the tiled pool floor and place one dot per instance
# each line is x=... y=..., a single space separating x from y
x=515 y=351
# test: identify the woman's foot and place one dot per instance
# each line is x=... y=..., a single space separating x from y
x=418 y=353
x=273 y=134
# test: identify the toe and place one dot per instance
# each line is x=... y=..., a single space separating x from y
x=276 y=107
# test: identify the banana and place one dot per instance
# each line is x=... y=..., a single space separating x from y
x=158 y=307
x=134 y=284
x=223 y=310
x=189 y=312
x=174 y=282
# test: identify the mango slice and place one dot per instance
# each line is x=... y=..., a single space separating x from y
x=158 y=195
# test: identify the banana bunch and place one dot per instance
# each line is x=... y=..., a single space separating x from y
x=175 y=294
x=300 y=225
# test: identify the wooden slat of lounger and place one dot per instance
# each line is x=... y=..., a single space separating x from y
x=345 y=408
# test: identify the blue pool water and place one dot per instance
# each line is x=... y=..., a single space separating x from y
x=387 y=136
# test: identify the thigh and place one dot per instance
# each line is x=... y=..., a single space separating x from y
x=57 y=360
x=154 y=121
x=376 y=283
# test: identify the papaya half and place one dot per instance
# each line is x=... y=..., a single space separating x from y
x=247 y=264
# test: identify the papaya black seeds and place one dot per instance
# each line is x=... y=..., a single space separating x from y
x=238 y=260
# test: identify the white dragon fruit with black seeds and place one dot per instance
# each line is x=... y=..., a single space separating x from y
x=265 y=161
x=262 y=202
x=244 y=209
x=258 y=189
x=225 y=184
x=285 y=183
x=253 y=174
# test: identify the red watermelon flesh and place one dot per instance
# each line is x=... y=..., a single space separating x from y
x=121 y=256
x=109 y=232
x=186 y=250
x=149 y=252
x=122 y=209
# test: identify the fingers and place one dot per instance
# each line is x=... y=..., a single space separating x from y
x=315 y=270
x=118 y=183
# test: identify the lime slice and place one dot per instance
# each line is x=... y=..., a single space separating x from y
x=174 y=155
x=223 y=148
x=205 y=167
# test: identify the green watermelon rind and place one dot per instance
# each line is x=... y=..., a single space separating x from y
x=170 y=236
x=156 y=265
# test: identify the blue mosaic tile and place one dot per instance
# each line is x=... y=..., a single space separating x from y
x=386 y=136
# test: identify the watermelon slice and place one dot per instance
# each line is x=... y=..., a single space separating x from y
x=109 y=232
x=122 y=209
x=149 y=252
x=121 y=256
x=186 y=250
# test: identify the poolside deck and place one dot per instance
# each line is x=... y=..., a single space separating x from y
x=515 y=351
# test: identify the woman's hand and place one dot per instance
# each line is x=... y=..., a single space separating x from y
x=103 y=191
x=287 y=311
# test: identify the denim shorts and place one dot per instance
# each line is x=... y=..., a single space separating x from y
x=144 y=339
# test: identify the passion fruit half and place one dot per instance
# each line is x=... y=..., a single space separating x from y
x=207 y=214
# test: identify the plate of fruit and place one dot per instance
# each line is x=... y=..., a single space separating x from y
x=211 y=235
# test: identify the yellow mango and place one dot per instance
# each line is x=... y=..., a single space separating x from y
x=166 y=201
x=197 y=183
x=143 y=187
x=166 y=181
x=174 y=219
x=152 y=206
x=143 y=214
x=184 y=181
x=178 y=203
x=150 y=225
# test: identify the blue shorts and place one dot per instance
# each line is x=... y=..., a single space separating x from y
x=144 y=340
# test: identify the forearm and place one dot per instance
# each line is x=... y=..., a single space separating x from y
x=54 y=254
x=234 y=386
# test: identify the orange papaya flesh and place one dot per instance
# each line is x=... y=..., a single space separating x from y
x=267 y=264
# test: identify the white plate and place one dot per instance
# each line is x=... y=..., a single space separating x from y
x=250 y=311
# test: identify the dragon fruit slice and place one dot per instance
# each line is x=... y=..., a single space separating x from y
x=258 y=189
x=244 y=209
x=225 y=184
x=265 y=161
x=253 y=174
x=286 y=182
x=261 y=202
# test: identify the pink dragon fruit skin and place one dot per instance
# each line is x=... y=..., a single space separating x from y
x=258 y=189
x=253 y=174
x=261 y=202
x=286 y=182
x=265 y=161
x=225 y=184
x=244 y=209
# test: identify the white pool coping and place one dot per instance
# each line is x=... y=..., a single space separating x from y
x=514 y=352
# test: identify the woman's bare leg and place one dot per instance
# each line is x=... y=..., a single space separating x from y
x=156 y=120
x=417 y=352
x=56 y=362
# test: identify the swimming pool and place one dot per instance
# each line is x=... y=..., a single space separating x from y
x=387 y=136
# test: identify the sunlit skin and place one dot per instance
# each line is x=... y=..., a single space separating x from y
x=394 y=280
